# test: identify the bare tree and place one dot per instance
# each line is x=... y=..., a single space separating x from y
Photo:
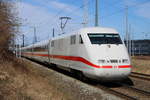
x=8 y=26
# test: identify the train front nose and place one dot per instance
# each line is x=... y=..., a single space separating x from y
x=112 y=74
x=113 y=67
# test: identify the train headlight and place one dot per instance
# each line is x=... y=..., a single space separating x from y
x=101 y=61
x=125 y=61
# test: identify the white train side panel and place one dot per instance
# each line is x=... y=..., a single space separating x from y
x=97 y=52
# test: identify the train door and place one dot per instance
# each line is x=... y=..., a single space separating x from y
x=49 y=51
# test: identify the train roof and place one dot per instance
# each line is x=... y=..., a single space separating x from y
x=98 y=30
x=42 y=43
x=80 y=31
x=88 y=30
x=45 y=42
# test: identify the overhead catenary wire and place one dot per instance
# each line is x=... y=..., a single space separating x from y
x=102 y=17
x=109 y=15
x=57 y=15
x=74 y=11
x=63 y=9
x=121 y=10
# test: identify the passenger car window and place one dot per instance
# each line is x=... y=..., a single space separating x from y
x=73 y=40
x=52 y=44
x=80 y=40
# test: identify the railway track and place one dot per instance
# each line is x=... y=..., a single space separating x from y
x=126 y=92
x=140 y=76
x=117 y=93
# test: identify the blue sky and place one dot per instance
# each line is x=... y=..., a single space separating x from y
x=44 y=15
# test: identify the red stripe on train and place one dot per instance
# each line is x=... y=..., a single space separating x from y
x=80 y=59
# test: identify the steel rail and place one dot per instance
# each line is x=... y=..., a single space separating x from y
x=140 y=76
x=122 y=95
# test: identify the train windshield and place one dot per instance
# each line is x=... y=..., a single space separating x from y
x=104 y=38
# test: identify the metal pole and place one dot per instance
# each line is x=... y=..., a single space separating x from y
x=20 y=51
x=35 y=38
x=96 y=13
x=16 y=51
x=85 y=16
x=14 y=48
x=139 y=49
x=127 y=35
x=53 y=32
x=23 y=40
x=63 y=25
x=133 y=43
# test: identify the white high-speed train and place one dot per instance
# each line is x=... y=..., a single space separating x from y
x=96 y=52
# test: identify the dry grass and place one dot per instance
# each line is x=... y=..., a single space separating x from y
x=141 y=64
x=20 y=81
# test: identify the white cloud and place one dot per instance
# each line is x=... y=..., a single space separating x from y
x=36 y=16
x=33 y=14
x=43 y=18
x=59 y=6
x=66 y=7
x=130 y=2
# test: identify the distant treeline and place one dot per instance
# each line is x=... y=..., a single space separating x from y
x=8 y=26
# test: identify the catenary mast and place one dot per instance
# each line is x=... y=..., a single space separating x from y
x=85 y=16
x=96 y=13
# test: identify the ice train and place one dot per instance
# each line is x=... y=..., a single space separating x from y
x=95 y=52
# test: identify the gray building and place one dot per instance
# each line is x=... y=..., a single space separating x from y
x=140 y=47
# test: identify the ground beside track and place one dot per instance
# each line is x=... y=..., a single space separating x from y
x=141 y=64
x=25 y=80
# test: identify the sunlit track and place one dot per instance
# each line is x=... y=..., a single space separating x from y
x=119 y=89
x=117 y=93
x=140 y=76
x=132 y=92
x=140 y=91
x=126 y=91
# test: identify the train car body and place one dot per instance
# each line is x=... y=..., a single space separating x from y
x=97 y=52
